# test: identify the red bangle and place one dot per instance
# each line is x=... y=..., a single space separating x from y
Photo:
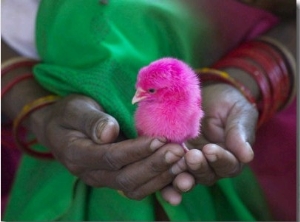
x=286 y=88
x=265 y=105
x=274 y=67
x=15 y=81
x=16 y=63
x=270 y=69
x=17 y=126
x=208 y=74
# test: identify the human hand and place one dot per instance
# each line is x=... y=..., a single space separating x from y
x=228 y=129
x=82 y=137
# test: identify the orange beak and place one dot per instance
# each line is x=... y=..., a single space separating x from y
x=138 y=96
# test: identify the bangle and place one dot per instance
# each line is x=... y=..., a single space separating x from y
x=17 y=125
x=265 y=105
x=289 y=61
x=12 y=64
x=272 y=67
x=209 y=74
x=16 y=62
x=15 y=81
x=271 y=71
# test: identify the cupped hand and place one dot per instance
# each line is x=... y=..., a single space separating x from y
x=228 y=129
x=84 y=139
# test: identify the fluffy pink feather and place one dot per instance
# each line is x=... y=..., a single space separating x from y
x=169 y=101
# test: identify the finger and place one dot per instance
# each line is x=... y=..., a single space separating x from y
x=221 y=161
x=153 y=185
x=240 y=131
x=171 y=195
x=153 y=172
x=85 y=115
x=184 y=182
x=83 y=153
x=199 y=167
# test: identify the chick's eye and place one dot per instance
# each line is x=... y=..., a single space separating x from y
x=151 y=90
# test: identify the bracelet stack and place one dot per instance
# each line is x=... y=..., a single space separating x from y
x=14 y=64
x=17 y=125
x=265 y=62
x=209 y=74
x=18 y=129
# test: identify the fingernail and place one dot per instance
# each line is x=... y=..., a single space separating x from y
x=185 y=186
x=179 y=167
x=170 y=157
x=108 y=131
x=157 y=143
x=250 y=152
x=211 y=157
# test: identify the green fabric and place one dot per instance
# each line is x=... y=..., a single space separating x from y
x=97 y=49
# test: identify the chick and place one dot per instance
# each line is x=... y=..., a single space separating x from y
x=169 y=101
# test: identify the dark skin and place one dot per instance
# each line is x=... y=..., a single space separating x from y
x=92 y=149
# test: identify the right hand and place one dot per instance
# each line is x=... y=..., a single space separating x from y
x=82 y=137
x=222 y=149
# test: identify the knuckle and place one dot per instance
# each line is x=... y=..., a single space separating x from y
x=91 y=178
x=111 y=160
x=135 y=195
x=236 y=170
x=230 y=170
x=154 y=167
x=89 y=181
x=71 y=157
x=125 y=183
x=179 y=167
x=167 y=177
x=73 y=168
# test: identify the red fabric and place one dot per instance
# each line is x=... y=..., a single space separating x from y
x=275 y=163
x=235 y=22
x=10 y=156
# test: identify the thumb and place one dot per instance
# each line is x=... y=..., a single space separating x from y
x=85 y=115
x=105 y=130
x=240 y=132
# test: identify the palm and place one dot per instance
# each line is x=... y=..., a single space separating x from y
x=229 y=119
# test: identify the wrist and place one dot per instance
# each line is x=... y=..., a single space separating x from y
x=25 y=114
x=38 y=120
x=244 y=78
x=20 y=95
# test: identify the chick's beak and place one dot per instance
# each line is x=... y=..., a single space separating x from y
x=138 y=96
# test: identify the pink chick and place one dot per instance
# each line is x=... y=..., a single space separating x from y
x=169 y=101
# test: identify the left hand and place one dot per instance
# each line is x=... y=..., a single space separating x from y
x=228 y=129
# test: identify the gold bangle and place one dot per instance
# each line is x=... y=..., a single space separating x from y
x=17 y=124
x=210 y=74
